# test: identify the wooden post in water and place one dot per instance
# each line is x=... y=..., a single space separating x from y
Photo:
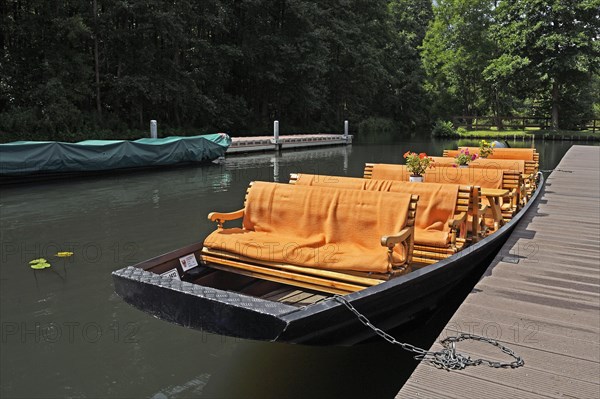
x=153 y=129
x=276 y=136
x=346 y=131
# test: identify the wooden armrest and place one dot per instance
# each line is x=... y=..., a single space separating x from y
x=456 y=222
x=391 y=240
x=222 y=217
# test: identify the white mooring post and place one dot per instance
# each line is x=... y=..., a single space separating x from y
x=276 y=131
x=153 y=129
x=346 y=130
x=276 y=135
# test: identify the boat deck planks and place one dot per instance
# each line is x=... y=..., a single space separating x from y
x=546 y=307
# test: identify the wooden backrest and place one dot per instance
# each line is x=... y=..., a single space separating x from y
x=505 y=164
x=438 y=202
x=368 y=170
x=489 y=178
x=511 y=179
x=526 y=154
x=530 y=167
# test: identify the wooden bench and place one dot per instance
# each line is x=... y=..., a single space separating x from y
x=319 y=238
x=526 y=154
x=440 y=227
x=528 y=169
x=529 y=155
x=511 y=180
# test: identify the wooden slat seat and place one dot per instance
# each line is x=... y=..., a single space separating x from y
x=320 y=238
x=442 y=211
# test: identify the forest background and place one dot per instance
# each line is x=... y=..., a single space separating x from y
x=73 y=70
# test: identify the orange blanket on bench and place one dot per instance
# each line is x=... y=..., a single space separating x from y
x=525 y=154
x=505 y=164
x=319 y=227
x=488 y=178
x=435 y=207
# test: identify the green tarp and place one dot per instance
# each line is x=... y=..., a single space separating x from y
x=21 y=158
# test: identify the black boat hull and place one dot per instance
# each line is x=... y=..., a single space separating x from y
x=388 y=305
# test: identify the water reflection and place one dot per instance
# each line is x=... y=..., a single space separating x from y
x=106 y=348
x=251 y=167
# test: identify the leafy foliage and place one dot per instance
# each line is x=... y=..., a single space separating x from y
x=444 y=129
x=103 y=68
x=214 y=65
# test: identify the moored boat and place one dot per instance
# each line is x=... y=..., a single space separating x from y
x=22 y=160
x=181 y=287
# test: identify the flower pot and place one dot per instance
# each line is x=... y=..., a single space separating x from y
x=463 y=166
x=416 y=179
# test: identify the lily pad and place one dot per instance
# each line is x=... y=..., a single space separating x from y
x=39 y=266
x=64 y=254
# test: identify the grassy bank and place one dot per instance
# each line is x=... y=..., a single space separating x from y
x=584 y=135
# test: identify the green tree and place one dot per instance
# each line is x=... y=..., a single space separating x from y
x=71 y=69
x=403 y=97
x=554 y=48
x=455 y=51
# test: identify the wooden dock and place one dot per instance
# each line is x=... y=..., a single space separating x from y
x=269 y=143
x=540 y=297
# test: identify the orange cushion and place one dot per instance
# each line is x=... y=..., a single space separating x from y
x=320 y=227
x=488 y=178
x=435 y=207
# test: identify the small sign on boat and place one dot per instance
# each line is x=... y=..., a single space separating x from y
x=188 y=262
x=172 y=273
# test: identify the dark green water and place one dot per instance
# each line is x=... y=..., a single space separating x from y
x=66 y=334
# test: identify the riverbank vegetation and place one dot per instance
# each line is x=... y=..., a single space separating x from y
x=579 y=135
x=77 y=69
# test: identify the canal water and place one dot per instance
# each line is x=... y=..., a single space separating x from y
x=66 y=334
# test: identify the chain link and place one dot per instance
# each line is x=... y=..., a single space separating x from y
x=447 y=358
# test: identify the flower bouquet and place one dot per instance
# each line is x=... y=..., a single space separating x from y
x=417 y=164
x=464 y=158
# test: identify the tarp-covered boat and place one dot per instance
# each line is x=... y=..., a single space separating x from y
x=24 y=159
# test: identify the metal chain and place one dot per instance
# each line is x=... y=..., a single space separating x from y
x=447 y=358
x=556 y=170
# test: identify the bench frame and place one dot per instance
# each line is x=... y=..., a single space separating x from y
x=335 y=282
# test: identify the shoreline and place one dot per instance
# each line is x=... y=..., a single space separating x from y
x=560 y=135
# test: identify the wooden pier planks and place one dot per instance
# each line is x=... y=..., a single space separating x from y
x=267 y=143
x=546 y=307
